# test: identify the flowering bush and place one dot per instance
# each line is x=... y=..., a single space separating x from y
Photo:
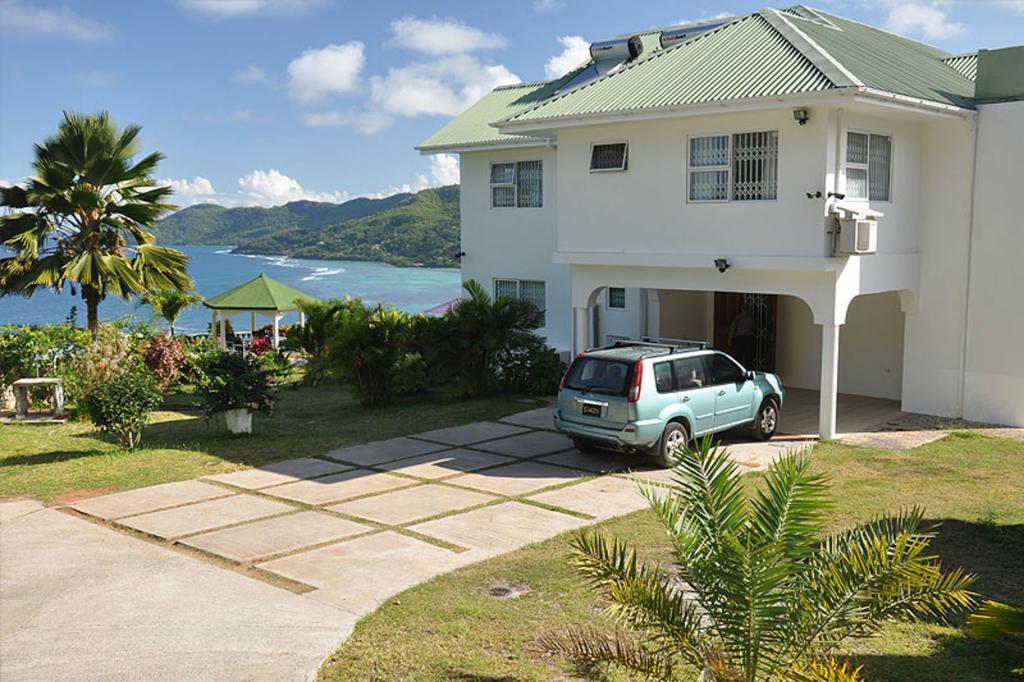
x=260 y=345
x=163 y=355
x=109 y=354
x=232 y=381
x=121 y=405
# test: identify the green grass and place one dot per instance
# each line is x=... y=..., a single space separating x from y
x=451 y=629
x=47 y=461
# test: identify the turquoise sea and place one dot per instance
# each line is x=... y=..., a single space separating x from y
x=215 y=270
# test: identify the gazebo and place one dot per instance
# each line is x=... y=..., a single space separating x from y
x=262 y=295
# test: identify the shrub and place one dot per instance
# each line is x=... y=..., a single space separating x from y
x=372 y=349
x=232 y=381
x=110 y=353
x=312 y=338
x=260 y=345
x=121 y=405
x=163 y=355
x=29 y=351
x=531 y=367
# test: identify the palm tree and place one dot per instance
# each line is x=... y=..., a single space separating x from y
x=754 y=593
x=83 y=219
x=313 y=335
x=170 y=303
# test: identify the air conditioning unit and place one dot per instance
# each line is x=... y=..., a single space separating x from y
x=857 y=236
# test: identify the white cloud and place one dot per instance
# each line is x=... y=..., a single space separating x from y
x=330 y=70
x=444 y=86
x=232 y=9
x=442 y=36
x=272 y=188
x=189 y=192
x=253 y=75
x=928 y=19
x=18 y=20
x=575 y=51
x=543 y=6
x=444 y=169
x=95 y=78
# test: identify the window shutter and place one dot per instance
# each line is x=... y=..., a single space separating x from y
x=755 y=166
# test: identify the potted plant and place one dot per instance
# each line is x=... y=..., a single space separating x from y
x=235 y=386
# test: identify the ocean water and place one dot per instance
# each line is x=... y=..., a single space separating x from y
x=215 y=270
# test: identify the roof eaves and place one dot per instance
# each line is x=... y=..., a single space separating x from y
x=517 y=140
x=814 y=53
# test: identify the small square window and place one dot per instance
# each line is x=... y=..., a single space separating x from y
x=616 y=297
x=868 y=166
x=609 y=157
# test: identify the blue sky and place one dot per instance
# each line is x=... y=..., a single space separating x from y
x=265 y=101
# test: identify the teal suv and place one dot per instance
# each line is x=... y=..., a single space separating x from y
x=652 y=397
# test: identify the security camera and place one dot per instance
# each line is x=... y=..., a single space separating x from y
x=722 y=264
x=814 y=195
x=801 y=116
x=836 y=195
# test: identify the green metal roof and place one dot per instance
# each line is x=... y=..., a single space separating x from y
x=744 y=59
x=964 y=64
x=261 y=293
x=888 y=62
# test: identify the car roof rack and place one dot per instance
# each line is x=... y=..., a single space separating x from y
x=668 y=345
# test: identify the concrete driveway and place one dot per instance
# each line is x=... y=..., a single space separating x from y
x=106 y=596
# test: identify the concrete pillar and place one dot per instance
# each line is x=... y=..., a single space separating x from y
x=829 y=381
x=252 y=323
x=277 y=322
x=581 y=330
x=223 y=331
x=213 y=324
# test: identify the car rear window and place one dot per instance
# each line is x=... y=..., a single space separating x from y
x=608 y=377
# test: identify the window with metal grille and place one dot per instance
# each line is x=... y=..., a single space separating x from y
x=517 y=184
x=616 y=297
x=738 y=167
x=755 y=164
x=609 y=157
x=868 y=165
x=524 y=289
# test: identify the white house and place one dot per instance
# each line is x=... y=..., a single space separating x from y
x=855 y=188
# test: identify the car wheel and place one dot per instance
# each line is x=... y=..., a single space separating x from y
x=766 y=421
x=674 y=436
x=584 y=446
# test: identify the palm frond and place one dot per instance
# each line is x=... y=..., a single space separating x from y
x=994 y=620
x=789 y=509
x=608 y=646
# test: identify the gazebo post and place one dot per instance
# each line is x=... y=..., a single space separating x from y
x=223 y=332
x=213 y=322
x=302 y=319
x=252 y=323
x=277 y=321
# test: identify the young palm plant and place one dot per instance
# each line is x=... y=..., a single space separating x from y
x=756 y=592
x=170 y=303
x=84 y=218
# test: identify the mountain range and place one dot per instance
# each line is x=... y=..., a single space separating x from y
x=420 y=229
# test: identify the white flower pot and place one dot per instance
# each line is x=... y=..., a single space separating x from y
x=238 y=421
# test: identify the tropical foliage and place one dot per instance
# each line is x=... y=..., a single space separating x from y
x=164 y=357
x=120 y=406
x=995 y=620
x=169 y=304
x=755 y=592
x=311 y=339
x=233 y=381
x=83 y=219
x=29 y=351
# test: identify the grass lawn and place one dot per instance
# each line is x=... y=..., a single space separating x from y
x=451 y=629
x=50 y=461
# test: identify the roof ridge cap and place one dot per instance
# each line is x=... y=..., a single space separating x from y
x=824 y=62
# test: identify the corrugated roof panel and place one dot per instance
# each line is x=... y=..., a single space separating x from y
x=744 y=59
x=888 y=62
x=964 y=64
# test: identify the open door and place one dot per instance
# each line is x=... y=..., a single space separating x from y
x=764 y=308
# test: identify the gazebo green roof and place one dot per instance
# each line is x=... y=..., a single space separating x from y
x=261 y=294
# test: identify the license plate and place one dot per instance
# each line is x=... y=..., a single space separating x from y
x=591 y=410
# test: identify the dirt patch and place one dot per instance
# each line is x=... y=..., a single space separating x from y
x=78 y=495
x=506 y=589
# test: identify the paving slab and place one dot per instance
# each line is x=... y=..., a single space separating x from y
x=195 y=518
x=149 y=499
x=501 y=528
x=540 y=418
x=381 y=451
x=893 y=440
x=85 y=602
x=279 y=472
x=338 y=487
x=266 y=538
x=357 y=575
x=412 y=504
x=516 y=479
x=593 y=462
x=446 y=463
x=527 y=444
x=470 y=433
x=601 y=498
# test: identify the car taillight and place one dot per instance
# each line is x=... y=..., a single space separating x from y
x=565 y=377
x=638 y=376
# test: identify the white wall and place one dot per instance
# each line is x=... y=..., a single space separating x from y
x=686 y=314
x=870 y=346
x=515 y=243
x=994 y=381
x=621 y=322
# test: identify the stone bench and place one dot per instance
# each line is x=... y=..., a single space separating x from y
x=22 y=387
